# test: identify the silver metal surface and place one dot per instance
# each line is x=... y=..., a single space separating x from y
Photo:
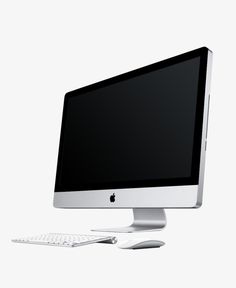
x=189 y=196
x=144 y=220
x=65 y=240
x=152 y=197
x=204 y=129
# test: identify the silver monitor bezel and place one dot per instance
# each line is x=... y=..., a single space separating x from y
x=189 y=196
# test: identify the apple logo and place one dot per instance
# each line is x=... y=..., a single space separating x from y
x=112 y=197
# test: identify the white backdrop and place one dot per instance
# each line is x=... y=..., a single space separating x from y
x=50 y=47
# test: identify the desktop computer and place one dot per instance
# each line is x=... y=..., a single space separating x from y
x=137 y=141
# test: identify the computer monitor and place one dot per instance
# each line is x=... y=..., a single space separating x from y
x=137 y=140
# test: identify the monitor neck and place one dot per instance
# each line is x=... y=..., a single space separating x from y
x=145 y=219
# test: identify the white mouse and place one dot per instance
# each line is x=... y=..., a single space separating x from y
x=140 y=244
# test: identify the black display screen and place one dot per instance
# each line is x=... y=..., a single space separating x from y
x=139 y=129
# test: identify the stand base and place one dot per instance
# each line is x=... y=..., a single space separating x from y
x=144 y=220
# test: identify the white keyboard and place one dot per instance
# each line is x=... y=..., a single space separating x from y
x=66 y=240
